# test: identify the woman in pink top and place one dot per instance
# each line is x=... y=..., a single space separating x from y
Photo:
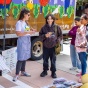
x=80 y=44
x=80 y=39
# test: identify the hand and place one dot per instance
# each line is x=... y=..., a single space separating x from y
x=48 y=35
x=32 y=29
x=31 y=32
x=78 y=30
x=83 y=44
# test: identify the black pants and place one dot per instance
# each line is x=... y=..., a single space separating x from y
x=20 y=66
x=49 y=53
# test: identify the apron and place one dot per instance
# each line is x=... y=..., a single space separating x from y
x=23 y=48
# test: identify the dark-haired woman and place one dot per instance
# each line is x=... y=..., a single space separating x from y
x=81 y=43
x=73 y=54
x=49 y=39
x=23 y=31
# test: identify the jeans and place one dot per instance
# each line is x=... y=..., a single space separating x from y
x=20 y=66
x=74 y=57
x=49 y=53
x=83 y=59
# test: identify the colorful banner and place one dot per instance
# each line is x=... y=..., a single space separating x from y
x=7 y=1
x=17 y=1
x=2 y=6
x=51 y=2
x=60 y=2
x=43 y=2
x=72 y=2
x=35 y=1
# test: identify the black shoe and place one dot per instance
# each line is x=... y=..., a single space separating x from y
x=43 y=74
x=53 y=75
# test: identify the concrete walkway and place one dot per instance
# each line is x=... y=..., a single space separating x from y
x=35 y=68
x=35 y=81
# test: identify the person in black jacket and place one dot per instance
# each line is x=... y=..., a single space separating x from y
x=49 y=39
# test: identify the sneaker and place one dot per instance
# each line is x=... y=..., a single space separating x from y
x=79 y=74
x=25 y=74
x=15 y=78
x=78 y=70
x=80 y=80
x=53 y=75
x=73 y=68
x=43 y=74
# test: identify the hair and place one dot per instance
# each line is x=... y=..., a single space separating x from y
x=84 y=16
x=86 y=6
x=52 y=16
x=23 y=11
x=77 y=19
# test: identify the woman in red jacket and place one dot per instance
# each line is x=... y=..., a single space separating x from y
x=73 y=54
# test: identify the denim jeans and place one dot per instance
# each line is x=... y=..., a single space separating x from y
x=83 y=59
x=74 y=57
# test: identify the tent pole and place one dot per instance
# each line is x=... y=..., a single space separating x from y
x=4 y=24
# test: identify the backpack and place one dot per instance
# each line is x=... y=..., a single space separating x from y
x=57 y=46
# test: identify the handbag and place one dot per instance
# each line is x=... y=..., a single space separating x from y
x=57 y=46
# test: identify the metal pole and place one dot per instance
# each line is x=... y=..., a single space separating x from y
x=75 y=9
x=4 y=24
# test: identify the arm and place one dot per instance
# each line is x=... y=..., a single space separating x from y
x=83 y=34
x=42 y=34
x=60 y=36
x=80 y=32
x=19 y=33
x=72 y=32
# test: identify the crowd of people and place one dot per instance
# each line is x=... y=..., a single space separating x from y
x=78 y=46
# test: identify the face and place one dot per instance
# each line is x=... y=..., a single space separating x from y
x=83 y=21
x=26 y=16
x=86 y=12
x=77 y=23
x=50 y=20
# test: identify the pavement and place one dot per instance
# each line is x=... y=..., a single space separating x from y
x=35 y=81
x=35 y=68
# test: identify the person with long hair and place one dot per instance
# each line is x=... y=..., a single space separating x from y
x=74 y=57
x=81 y=43
x=23 y=31
x=50 y=39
